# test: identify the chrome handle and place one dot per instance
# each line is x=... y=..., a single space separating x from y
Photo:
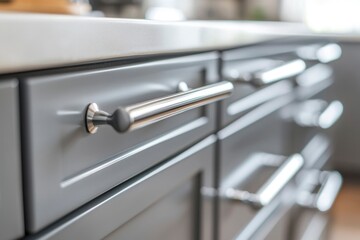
x=312 y=113
x=266 y=77
x=321 y=53
x=135 y=116
x=272 y=187
x=322 y=200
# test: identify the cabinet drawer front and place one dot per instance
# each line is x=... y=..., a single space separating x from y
x=68 y=166
x=315 y=97
x=249 y=61
x=260 y=133
x=162 y=203
x=258 y=71
x=11 y=212
x=246 y=96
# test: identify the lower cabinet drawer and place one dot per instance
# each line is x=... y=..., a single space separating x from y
x=163 y=203
x=255 y=169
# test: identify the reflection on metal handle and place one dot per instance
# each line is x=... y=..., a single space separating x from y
x=322 y=200
x=265 y=77
x=272 y=187
x=320 y=52
x=135 y=116
x=310 y=116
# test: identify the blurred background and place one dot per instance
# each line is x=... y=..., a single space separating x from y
x=320 y=15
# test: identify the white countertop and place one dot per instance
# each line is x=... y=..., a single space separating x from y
x=39 y=41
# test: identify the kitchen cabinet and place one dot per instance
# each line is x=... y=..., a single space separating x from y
x=209 y=143
x=11 y=210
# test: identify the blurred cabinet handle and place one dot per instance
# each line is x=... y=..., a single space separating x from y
x=272 y=187
x=321 y=53
x=135 y=116
x=266 y=77
x=312 y=113
x=330 y=185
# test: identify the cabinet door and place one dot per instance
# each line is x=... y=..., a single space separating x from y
x=163 y=203
x=11 y=213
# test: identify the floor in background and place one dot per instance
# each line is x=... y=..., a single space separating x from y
x=346 y=213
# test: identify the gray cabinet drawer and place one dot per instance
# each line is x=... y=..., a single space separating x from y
x=246 y=96
x=68 y=166
x=11 y=211
x=162 y=203
x=314 y=98
x=246 y=146
x=254 y=71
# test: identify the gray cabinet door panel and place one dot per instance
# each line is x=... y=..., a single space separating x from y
x=163 y=203
x=69 y=167
x=277 y=225
x=11 y=210
x=272 y=222
x=242 y=144
x=309 y=224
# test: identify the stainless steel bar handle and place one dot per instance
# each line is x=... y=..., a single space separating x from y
x=324 y=199
x=309 y=117
x=135 y=116
x=266 y=77
x=272 y=187
x=323 y=53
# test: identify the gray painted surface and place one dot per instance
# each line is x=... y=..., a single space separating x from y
x=277 y=226
x=68 y=167
x=260 y=131
x=164 y=203
x=11 y=210
x=347 y=88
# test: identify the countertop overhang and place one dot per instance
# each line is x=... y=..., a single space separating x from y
x=40 y=41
